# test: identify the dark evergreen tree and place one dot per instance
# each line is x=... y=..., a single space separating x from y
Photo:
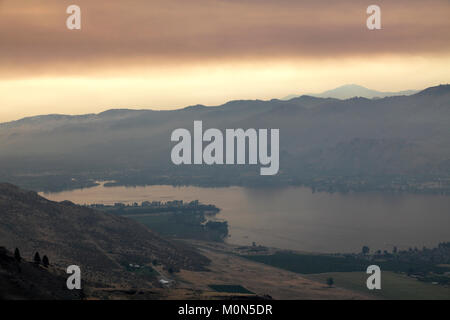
x=45 y=261
x=37 y=258
x=17 y=255
x=365 y=250
x=330 y=282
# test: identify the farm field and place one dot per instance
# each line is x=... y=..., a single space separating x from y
x=393 y=286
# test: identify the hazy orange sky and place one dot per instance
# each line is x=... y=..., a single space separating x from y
x=164 y=54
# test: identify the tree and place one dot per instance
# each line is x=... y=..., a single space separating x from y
x=45 y=261
x=330 y=282
x=37 y=258
x=17 y=255
x=365 y=250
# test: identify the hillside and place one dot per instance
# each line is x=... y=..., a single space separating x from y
x=102 y=245
x=26 y=281
x=390 y=144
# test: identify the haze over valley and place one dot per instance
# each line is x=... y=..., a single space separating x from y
x=392 y=144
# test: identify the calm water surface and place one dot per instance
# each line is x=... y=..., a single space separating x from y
x=295 y=218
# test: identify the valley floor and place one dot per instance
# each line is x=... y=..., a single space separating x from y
x=227 y=268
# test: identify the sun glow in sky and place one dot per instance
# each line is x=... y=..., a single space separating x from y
x=170 y=54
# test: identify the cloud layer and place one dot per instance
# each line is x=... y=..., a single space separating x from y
x=34 y=39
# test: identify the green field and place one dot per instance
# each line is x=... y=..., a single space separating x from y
x=393 y=285
x=229 y=288
x=184 y=225
x=145 y=271
x=349 y=272
x=321 y=263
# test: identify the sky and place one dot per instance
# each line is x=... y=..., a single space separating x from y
x=166 y=54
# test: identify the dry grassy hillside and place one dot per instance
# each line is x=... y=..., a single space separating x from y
x=101 y=244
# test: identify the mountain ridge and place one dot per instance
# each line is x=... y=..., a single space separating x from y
x=121 y=111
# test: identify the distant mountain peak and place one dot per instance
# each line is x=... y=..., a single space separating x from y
x=351 y=85
x=352 y=90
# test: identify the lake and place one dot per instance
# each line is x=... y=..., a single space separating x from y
x=295 y=218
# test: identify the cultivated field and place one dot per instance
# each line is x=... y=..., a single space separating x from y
x=393 y=285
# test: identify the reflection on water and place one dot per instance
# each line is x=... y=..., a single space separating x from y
x=295 y=218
